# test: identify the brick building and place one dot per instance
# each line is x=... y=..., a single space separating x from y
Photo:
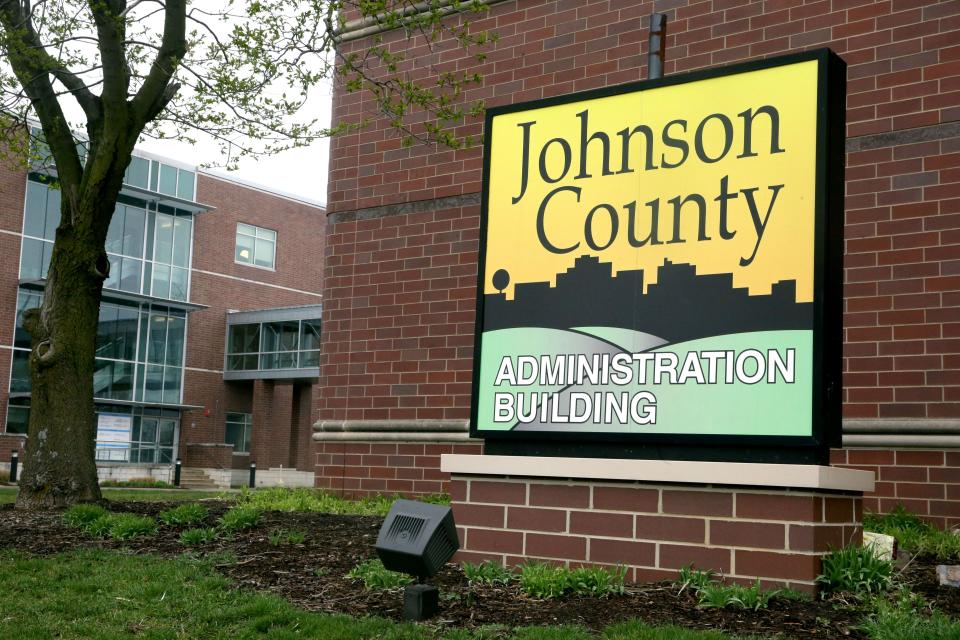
x=209 y=326
x=401 y=256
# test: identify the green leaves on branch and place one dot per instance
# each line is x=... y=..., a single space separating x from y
x=241 y=72
x=426 y=98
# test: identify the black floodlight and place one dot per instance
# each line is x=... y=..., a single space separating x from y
x=417 y=538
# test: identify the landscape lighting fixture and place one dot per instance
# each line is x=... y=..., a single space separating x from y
x=418 y=539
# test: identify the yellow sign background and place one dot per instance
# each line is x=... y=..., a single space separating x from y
x=786 y=251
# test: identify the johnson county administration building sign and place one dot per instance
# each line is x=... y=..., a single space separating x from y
x=661 y=261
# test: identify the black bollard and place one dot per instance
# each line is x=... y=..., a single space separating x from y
x=176 y=473
x=253 y=475
x=14 y=463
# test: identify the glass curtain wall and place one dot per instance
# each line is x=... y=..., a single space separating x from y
x=149 y=246
x=139 y=356
x=153 y=435
x=290 y=344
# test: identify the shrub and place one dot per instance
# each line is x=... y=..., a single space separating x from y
x=278 y=537
x=192 y=537
x=375 y=576
x=126 y=526
x=138 y=483
x=81 y=515
x=486 y=573
x=190 y=513
x=239 y=518
x=855 y=569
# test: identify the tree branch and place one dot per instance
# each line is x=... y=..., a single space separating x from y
x=27 y=60
x=155 y=93
x=111 y=32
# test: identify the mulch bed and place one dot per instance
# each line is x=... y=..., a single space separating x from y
x=312 y=575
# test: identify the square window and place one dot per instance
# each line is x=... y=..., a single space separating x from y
x=256 y=246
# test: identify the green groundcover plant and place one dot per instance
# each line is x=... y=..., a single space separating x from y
x=375 y=576
x=96 y=521
x=915 y=534
x=193 y=537
x=185 y=514
x=542 y=580
x=712 y=594
x=855 y=569
x=240 y=518
x=486 y=572
x=319 y=501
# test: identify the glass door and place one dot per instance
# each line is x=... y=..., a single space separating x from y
x=157 y=440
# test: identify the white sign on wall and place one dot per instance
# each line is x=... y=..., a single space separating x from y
x=113 y=436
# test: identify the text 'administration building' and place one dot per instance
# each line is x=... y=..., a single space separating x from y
x=403 y=229
x=208 y=342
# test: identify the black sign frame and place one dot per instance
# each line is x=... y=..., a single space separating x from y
x=827 y=304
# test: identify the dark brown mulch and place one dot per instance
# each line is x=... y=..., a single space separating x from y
x=312 y=575
x=920 y=573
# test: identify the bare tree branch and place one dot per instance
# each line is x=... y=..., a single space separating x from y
x=157 y=91
x=24 y=49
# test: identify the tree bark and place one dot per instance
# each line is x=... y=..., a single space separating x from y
x=60 y=467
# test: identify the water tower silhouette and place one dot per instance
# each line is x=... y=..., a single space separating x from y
x=501 y=278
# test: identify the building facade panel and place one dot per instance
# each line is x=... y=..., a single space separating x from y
x=299 y=242
x=901 y=287
x=159 y=384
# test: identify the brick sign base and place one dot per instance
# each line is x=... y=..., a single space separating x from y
x=744 y=533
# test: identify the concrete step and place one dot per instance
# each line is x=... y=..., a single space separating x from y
x=196 y=479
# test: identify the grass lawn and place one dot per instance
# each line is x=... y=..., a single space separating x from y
x=103 y=595
x=9 y=494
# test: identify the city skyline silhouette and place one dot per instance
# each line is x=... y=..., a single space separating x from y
x=680 y=306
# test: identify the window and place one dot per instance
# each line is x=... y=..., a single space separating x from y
x=148 y=245
x=40 y=221
x=239 y=428
x=18 y=415
x=290 y=344
x=139 y=351
x=256 y=246
x=171 y=254
x=244 y=348
x=161 y=178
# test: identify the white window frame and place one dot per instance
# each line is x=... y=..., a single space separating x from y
x=256 y=236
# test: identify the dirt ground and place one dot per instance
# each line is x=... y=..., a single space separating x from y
x=312 y=575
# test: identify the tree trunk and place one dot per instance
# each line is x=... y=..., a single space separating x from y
x=60 y=466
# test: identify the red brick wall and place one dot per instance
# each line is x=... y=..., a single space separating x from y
x=399 y=294
x=358 y=469
x=398 y=316
x=654 y=529
x=208 y=456
x=926 y=482
x=13 y=184
x=300 y=237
